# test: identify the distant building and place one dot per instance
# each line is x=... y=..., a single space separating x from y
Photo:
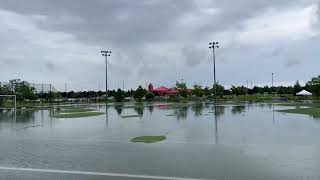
x=164 y=91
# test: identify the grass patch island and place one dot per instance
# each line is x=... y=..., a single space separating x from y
x=129 y=116
x=315 y=112
x=76 y=113
x=148 y=139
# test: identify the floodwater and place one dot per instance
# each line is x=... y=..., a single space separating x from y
x=249 y=141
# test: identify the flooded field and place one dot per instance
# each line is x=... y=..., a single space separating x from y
x=203 y=141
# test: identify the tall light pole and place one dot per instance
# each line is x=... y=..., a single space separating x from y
x=272 y=83
x=106 y=54
x=213 y=46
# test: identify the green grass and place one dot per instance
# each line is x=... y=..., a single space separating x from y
x=130 y=116
x=76 y=110
x=148 y=139
x=315 y=112
x=78 y=114
x=314 y=105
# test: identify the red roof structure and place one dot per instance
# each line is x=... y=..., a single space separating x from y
x=164 y=91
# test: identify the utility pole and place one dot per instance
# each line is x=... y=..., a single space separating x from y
x=213 y=46
x=106 y=54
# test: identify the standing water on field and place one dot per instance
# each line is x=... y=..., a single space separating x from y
x=202 y=141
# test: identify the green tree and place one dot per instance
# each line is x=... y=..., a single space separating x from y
x=119 y=95
x=21 y=89
x=297 y=87
x=139 y=93
x=314 y=85
x=220 y=89
x=238 y=90
x=207 y=91
x=181 y=87
x=197 y=90
x=150 y=96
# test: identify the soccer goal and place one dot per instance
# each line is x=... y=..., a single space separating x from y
x=8 y=102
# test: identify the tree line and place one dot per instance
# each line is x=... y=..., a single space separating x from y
x=24 y=91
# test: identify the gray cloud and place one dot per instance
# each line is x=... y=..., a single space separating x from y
x=292 y=62
x=149 y=39
x=193 y=55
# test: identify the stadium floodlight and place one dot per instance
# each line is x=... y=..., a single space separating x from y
x=213 y=46
x=106 y=54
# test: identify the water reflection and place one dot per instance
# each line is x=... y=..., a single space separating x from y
x=139 y=110
x=150 y=108
x=216 y=116
x=119 y=108
x=6 y=114
x=181 y=113
x=218 y=110
x=24 y=116
x=197 y=109
x=238 y=109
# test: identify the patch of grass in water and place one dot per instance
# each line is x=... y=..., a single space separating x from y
x=75 y=110
x=170 y=115
x=148 y=139
x=308 y=111
x=129 y=116
x=77 y=114
x=308 y=104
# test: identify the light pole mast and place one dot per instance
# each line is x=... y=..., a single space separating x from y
x=106 y=54
x=213 y=46
x=272 y=83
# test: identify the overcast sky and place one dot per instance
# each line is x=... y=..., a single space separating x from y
x=158 y=41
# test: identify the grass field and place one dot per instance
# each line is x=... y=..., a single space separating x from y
x=78 y=114
x=315 y=112
x=149 y=139
x=75 y=110
x=129 y=116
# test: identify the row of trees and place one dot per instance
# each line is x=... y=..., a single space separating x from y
x=24 y=91
x=20 y=88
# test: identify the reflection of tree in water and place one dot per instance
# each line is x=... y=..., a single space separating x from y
x=150 y=108
x=269 y=105
x=119 y=108
x=6 y=114
x=24 y=116
x=317 y=118
x=139 y=110
x=197 y=109
x=218 y=110
x=261 y=105
x=181 y=112
x=238 y=109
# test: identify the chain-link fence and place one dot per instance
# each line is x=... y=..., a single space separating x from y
x=38 y=88
x=31 y=93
